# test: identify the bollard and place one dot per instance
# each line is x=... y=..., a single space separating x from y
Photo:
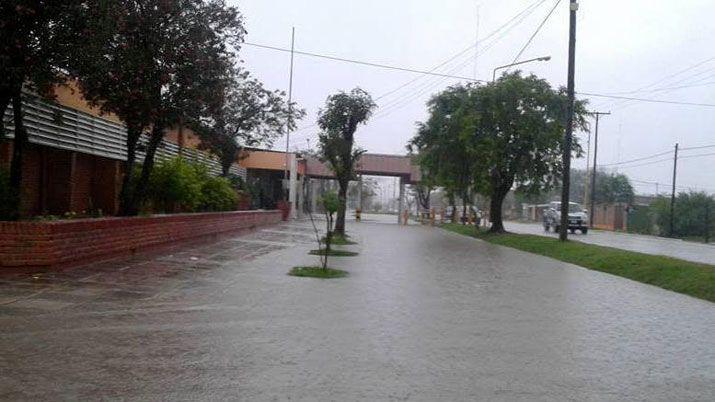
x=405 y=216
x=358 y=211
x=432 y=214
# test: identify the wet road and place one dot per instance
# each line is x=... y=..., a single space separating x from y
x=425 y=315
x=691 y=251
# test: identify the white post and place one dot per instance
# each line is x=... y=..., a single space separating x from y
x=293 y=185
x=360 y=193
x=400 y=202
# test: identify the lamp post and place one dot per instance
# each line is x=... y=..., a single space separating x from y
x=494 y=73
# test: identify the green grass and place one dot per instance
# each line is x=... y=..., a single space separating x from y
x=334 y=253
x=680 y=276
x=317 y=272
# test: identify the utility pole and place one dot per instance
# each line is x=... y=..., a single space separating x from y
x=566 y=182
x=593 y=172
x=290 y=112
x=672 y=194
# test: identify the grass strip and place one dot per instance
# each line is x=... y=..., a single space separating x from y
x=318 y=272
x=690 y=278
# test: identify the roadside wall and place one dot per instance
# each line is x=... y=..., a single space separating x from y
x=49 y=243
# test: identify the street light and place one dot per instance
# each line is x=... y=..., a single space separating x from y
x=494 y=74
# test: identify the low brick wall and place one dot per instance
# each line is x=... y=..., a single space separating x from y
x=57 y=242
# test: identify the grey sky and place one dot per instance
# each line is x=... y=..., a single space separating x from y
x=622 y=46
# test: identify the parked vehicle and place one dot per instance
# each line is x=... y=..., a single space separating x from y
x=578 y=217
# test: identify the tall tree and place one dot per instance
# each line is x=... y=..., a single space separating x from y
x=515 y=134
x=154 y=64
x=248 y=115
x=38 y=40
x=338 y=120
x=440 y=146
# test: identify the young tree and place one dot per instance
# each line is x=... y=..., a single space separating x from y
x=515 y=131
x=38 y=41
x=155 y=63
x=342 y=114
x=248 y=115
x=330 y=203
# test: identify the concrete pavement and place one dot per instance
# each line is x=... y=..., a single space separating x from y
x=685 y=250
x=425 y=315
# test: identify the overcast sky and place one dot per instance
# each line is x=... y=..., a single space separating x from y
x=622 y=47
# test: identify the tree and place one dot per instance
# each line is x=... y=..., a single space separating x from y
x=156 y=64
x=330 y=203
x=248 y=115
x=342 y=115
x=515 y=135
x=694 y=215
x=439 y=149
x=38 y=41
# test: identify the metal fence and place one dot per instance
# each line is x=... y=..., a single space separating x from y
x=60 y=127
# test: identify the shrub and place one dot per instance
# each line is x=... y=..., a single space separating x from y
x=217 y=194
x=175 y=186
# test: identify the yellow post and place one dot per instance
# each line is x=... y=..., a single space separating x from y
x=357 y=214
x=432 y=214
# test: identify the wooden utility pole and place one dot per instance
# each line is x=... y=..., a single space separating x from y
x=566 y=181
x=672 y=194
x=592 y=191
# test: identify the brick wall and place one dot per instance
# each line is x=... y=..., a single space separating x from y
x=56 y=242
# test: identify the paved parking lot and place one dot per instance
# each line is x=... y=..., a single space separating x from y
x=424 y=315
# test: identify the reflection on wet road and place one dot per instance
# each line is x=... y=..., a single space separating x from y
x=425 y=314
x=697 y=252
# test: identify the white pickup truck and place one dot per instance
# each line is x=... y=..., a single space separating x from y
x=578 y=217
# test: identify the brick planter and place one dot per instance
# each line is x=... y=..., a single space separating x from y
x=31 y=244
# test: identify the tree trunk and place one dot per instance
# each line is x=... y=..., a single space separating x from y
x=464 y=210
x=342 y=204
x=500 y=190
x=227 y=160
x=18 y=149
x=328 y=238
x=126 y=195
x=140 y=191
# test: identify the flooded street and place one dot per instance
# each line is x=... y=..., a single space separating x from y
x=424 y=315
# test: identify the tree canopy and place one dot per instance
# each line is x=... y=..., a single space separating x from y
x=248 y=115
x=154 y=63
x=491 y=138
x=338 y=120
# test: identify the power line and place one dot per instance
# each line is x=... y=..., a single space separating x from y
x=700 y=147
x=528 y=10
x=364 y=63
x=537 y=31
x=646 y=164
x=697 y=156
x=636 y=160
x=647 y=100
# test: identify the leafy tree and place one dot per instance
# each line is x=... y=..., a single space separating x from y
x=38 y=40
x=514 y=131
x=154 y=64
x=248 y=115
x=330 y=203
x=342 y=115
x=440 y=150
x=694 y=215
